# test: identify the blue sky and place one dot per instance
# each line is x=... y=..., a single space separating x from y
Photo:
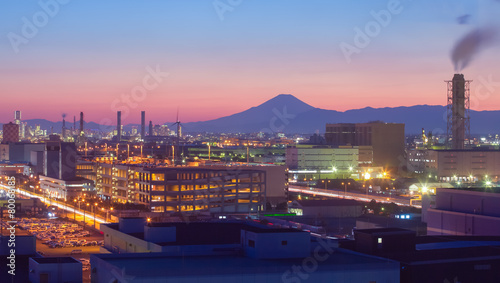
x=91 y=52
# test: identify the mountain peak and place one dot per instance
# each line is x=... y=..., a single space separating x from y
x=289 y=101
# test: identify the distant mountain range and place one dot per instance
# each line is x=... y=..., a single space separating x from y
x=285 y=113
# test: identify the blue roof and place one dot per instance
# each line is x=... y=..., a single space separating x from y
x=456 y=245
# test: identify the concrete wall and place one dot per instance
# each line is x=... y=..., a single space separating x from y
x=462 y=212
x=482 y=203
x=332 y=211
x=57 y=272
x=4 y=152
x=442 y=222
x=160 y=234
x=466 y=163
x=321 y=158
x=276 y=245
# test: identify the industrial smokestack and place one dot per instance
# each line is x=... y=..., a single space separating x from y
x=458 y=110
x=81 y=123
x=151 y=128
x=143 y=124
x=119 y=125
x=63 y=131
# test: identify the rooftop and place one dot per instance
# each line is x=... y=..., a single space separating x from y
x=494 y=190
x=144 y=265
x=329 y=202
x=208 y=233
x=49 y=260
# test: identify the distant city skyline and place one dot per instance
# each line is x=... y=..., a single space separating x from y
x=212 y=61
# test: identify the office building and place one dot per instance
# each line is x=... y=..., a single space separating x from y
x=10 y=133
x=60 y=160
x=314 y=157
x=456 y=165
x=65 y=189
x=191 y=189
x=386 y=139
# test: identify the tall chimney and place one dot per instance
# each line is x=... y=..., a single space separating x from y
x=143 y=124
x=151 y=128
x=81 y=123
x=63 y=132
x=119 y=125
x=458 y=110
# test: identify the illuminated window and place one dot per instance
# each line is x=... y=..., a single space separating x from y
x=157 y=177
x=157 y=188
x=379 y=240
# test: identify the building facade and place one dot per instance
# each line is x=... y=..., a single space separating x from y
x=387 y=140
x=10 y=133
x=456 y=165
x=65 y=189
x=465 y=212
x=232 y=189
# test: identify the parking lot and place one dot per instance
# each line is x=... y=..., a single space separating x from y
x=55 y=237
x=58 y=234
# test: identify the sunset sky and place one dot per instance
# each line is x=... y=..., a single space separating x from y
x=88 y=54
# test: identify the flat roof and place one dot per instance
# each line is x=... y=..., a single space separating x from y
x=469 y=150
x=456 y=245
x=447 y=254
x=209 y=233
x=49 y=260
x=384 y=231
x=145 y=265
x=494 y=190
x=329 y=202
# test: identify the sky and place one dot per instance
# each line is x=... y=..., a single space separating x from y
x=206 y=59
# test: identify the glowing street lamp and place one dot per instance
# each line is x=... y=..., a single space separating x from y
x=94 y=208
x=425 y=189
x=345 y=187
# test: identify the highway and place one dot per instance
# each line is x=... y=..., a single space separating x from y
x=350 y=195
x=89 y=216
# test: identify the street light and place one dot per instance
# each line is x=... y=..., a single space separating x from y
x=94 y=208
x=323 y=181
x=84 y=213
x=110 y=209
x=345 y=187
x=74 y=210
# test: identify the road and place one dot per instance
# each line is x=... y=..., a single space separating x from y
x=71 y=212
x=350 y=195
